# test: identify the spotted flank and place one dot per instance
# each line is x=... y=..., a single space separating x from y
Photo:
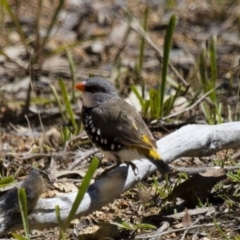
x=98 y=138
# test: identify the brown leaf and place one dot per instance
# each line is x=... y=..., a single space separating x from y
x=66 y=187
x=186 y=220
x=198 y=187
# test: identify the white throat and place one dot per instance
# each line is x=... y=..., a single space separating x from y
x=88 y=100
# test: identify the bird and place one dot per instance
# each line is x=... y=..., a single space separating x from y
x=114 y=126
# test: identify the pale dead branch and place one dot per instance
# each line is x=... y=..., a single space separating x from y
x=189 y=141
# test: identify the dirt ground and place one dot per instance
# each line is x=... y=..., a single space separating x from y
x=104 y=39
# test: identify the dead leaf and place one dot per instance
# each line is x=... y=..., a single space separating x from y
x=186 y=220
x=66 y=187
x=198 y=187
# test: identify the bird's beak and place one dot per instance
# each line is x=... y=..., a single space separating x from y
x=81 y=86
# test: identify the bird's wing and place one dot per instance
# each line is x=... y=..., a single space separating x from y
x=123 y=124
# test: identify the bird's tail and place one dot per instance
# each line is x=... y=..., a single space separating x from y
x=156 y=159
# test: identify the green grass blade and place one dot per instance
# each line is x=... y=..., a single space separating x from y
x=154 y=103
x=203 y=68
x=213 y=64
x=224 y=236
x=82 y=190
x=19 y=237
x=207 y=114
x=57 y=99
x=22 y=201
x=14 y=18
x=53 y=21
x=139 y=97
x=166 y=53
x=146 y=108
x=146 y=226
x=219 y=109
x=66 y=134
x=141 y=51
x=60 y=224
x=6 y=181
x=68 y=105
x=72 y=70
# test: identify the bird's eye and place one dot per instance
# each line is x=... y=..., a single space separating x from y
x=92 y=89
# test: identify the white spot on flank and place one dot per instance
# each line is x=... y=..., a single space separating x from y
x=99 y=131
x=102 y=140
x=90 y=122
x=96 y=138
x=105 y=141
x=91 y=136
x=112 y=146
x=119 y=146
x=93 y=129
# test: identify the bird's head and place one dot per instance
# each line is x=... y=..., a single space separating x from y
x=96 y=91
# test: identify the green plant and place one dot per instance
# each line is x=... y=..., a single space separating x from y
x=133 y=227
x=68 y=106
x=202 y=204
x=65 y=107
x=22 y=201
x=235 y=177
x=164 y=190
x=82 y=190
x=166 y=53
x=72 y=70
x=6 y=181
x=220 y=230
x=158 y=105
x=211 y=110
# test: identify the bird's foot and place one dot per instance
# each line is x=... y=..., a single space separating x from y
x=134 y=167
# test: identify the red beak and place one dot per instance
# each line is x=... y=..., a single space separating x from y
x=80 y=86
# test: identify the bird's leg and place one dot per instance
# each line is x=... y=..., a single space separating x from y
x=106 y=171
x=133 y=166
x=118 y=163
x=129 y=163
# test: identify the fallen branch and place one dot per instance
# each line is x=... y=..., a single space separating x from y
x=10 y=216
x=189 y=141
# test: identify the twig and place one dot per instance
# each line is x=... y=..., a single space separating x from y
x=29 y=155
x=190 y=107
x=85 y=155
x=177 y=230
x=139 y=30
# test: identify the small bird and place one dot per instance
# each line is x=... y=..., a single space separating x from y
x=114 y=126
